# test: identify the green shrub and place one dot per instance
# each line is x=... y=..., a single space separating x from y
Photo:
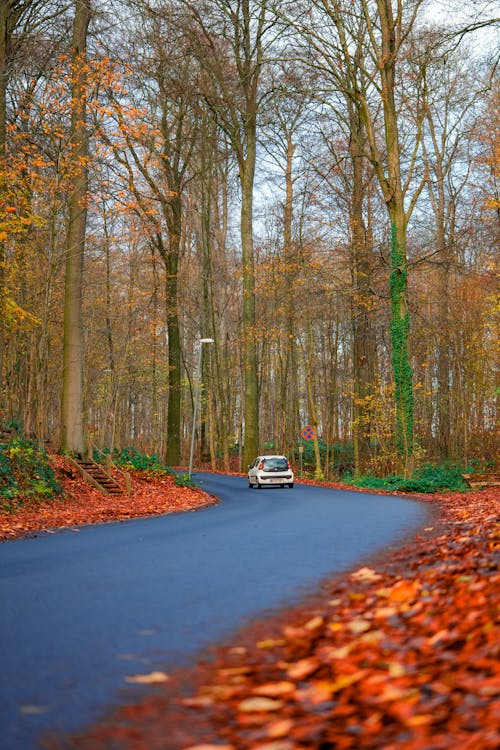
x=438 y=478
x=25 y=474
x=426 y=479
x=343 y=455
x=369 y=481
x=184 y=480
x=132 y=460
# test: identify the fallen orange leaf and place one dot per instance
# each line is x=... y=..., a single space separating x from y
x=148 y=679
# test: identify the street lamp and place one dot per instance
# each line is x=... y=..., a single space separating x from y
x=196 y=400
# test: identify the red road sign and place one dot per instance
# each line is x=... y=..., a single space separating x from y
x=308 y=432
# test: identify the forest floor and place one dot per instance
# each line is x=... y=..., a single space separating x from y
x=401 y=655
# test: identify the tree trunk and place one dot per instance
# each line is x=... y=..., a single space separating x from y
x=318 y=471
x=72 y=437
x=215 y=225
x=251 y=391
x=171 y=258
x=206 y=179
x=289 y=376
x=398 y=280
x=444 y=357
x=441 y=205
x=364 y=344
x=400 y=332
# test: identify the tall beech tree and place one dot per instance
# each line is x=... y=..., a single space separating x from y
x=212 y=196
x=450 y=111
x=371 y=82
x=231 y=49
x=362 y=298
x=350 y=178
x=153 y=144
x=388 y=31
x=72 y=436
x=286 y=117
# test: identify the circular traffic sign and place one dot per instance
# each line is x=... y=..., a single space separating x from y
x=308 y=432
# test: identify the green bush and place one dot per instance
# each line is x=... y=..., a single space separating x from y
x=25 y=474
x=369 y=481
x=132 y=460
x=343 y=455
x=8 y=483
x=426 y=479
x=440 y=478
x=184 y=480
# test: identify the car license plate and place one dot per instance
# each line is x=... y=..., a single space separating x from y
x=276 y=481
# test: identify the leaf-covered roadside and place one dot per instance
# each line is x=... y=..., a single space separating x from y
x=81 y=504
x=400 y=655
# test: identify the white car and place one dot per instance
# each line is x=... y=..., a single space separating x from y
x=267 y=471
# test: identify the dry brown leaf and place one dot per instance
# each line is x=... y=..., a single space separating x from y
x=251 y=705
x=270 y=643
x=404 y=591
x=358 y=626
x=366 y=574
x=315 y=623
x=148 y=679
x=274 y=689
x=303 y=668
x=279 y=728
x=197 y=701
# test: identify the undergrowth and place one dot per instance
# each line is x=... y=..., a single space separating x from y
x=26 y=474
x=130 y=459
x=184 y=480
x=426 y=479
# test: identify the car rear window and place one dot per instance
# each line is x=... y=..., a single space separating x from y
x=280 y=464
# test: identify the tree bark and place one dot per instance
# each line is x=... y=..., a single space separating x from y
x=364 y=342
x=289 y=387
x=72 y=436
x=251 y=390
x=170 y=257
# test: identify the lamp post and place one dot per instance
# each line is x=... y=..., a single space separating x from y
x=196 y=400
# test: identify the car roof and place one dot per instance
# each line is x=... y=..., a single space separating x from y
x=272 y=455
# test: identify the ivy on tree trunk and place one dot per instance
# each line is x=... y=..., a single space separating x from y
x=400 y=330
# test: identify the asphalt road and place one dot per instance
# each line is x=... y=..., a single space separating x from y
x=82 y=610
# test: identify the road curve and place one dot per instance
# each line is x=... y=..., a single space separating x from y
x=81 y=611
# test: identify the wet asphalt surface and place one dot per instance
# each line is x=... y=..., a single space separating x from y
x=82 y=610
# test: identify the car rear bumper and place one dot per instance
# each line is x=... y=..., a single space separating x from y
x=275 y=478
